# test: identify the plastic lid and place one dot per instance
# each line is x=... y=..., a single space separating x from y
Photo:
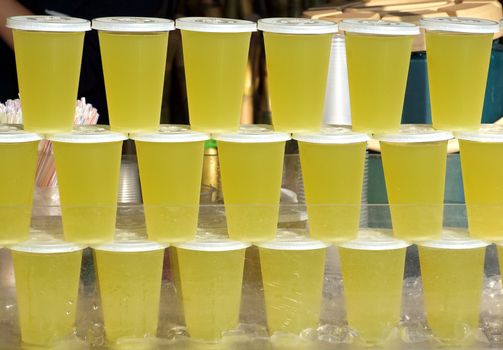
x=130 y=246
x=460 y=25
x=88 y=134
x=293 y=244
x=43 y=243
x=296 y=26
x=171 y=133
x=410 y=133
x=49 y=23
x=14 y=134
x=373 y=239
x=486 y=133
x=213 y=245
x=377 y=26
x=254 y=133
x=215 y=25
x=454 y=239
x=332 y=135
x=133 y=24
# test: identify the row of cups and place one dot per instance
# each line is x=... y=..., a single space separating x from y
x=49 y=50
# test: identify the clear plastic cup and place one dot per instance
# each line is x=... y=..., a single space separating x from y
x=251 y=165
x=133 y=53
x=87 y=165
x=333 y=162
x=47 y=273
x=211 y=276
x=372 y=271
x=48 y=53
x=18 y=161
x=215 y=53
x=452 y=270
x=414 y=162
x=297 y=57
x=378 y=56
x=458 y=55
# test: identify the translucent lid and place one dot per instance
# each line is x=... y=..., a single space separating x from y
x=375 y=239
x=296 y=26
x=377 y=26
x=454 y=239
x=213 y=245
x=293 y=244
x=460 y=25
x=88 y=134
x=49 y=23
x=486 y=133
x=130 y=246
x=44 y=243
x=332 y=135
x=133 y=24
x=171 y=133
x=415 y=133
x=14 y=134
x=253 y=133
x=215 y=25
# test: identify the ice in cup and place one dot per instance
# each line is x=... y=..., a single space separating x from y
x=372 y=271
x=18 y=161
x=211 y=276
x=297 y=57
x=378 y=55
x=129 y=276
x=215 y=54
x=333 y=163
x=458 y=55
x=251 y=166
x=452 y=270
x=87 y=166
x=170 y=163
x=48 y=53
x=133 y=53
x=47 y=273
x=414 y=161
x=292 y=275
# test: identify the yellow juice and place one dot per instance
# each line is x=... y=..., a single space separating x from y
x=333 y=179
x=415 y=179
x=297 y=68
x=48 y=70
x=378 y=66
x=457 y=86
x=215 y=66
x=133 y=66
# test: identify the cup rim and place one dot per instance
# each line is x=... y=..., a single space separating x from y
x=460 y=25
x=414 y=133
x=488 y=133
x=374 y=239
x=130 y=246
x=44 y=243
x=46 y=23
x=171 y=133
x=12 y=133
x=379 y=27
x=88 y=134
x=132 y=24
x=332 y=134
x=289 y=25
x=212 y=245
x=253 y=133
x=215 y=25
x=454 y=239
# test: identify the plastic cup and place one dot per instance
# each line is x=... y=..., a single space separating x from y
x=459 y=50
x=414 y=162
x=292 y=274
x=133 y=53
x=18 y=161
x=251 y=166
x=215 y=53
x=452 y=270
x=48 y=57
x=211 y=276
x=372 y=271
x=297 y=57
x=378 y=56
x=87 y=166
x=129 y=275
x=47 y=275
x=333 y=162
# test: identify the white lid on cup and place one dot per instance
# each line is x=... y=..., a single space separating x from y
x=253 y=133
x=454 y=239
x=215 y=25
x=130 y=246
x=375 y=239
x=378 y=26
x=293 y=244
x=286 y=25
x=48 y=23
x=460 y=25
x=412 y=133
x=212 y=245
x=332 y=135
x=486 y=133
x=133 y=24
x=44 y=243
x=14 y=134
x=88 y=134
x=171 y=133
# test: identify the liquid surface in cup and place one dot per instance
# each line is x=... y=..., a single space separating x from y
x=297 y=68
x=133 y=66
x=378 y=66
x=215 y=66
x=46 y=288
x=457 y=86
x=48 y=70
